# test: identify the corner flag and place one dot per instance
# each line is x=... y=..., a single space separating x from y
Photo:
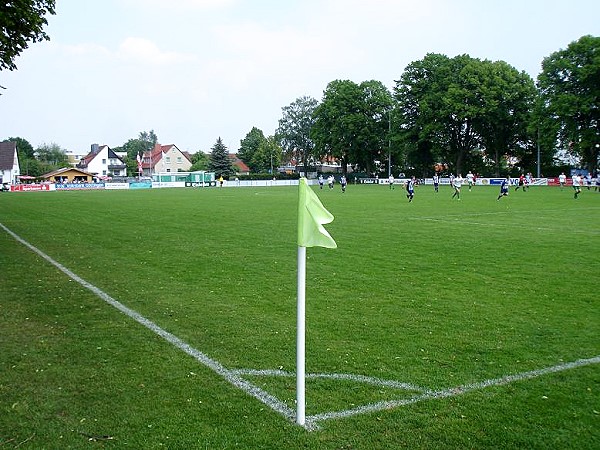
x=311 y=217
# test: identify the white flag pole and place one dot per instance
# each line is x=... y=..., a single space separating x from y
x=300 y=336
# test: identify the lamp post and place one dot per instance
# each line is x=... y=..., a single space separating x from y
x=538 y=153
x=389 y=143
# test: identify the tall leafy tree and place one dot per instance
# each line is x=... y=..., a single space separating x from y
x=376 y=105
x=219 y=161
x=507 y=102
x=52 y=154
x=351 y=123
x=24 y=148
x=268 y=156
x=570 y=87
x=21 y=22
x=133 y=147
x=294 y=130
x=438 y=105
x=338 y=121
x=248 y=148
x=462 y=109
x=27 y=162
x=148 y=139
x=49 y=157
x=200 y=161
x=145 y=141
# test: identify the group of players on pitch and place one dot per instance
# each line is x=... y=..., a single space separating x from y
x=523 y=182
x=456 y=182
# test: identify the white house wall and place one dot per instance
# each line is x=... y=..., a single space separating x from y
x=174 y=161
x=99 y=165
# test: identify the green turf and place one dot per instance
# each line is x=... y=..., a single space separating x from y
x=436 y=293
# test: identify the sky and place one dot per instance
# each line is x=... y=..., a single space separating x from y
x=197 y=70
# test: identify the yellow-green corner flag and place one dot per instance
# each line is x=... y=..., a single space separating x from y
x=311 y=217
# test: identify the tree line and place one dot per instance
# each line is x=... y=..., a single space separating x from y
x=450 y=115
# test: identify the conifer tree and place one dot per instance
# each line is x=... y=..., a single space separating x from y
x=219 y=161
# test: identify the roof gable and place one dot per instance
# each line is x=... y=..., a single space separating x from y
x=152 y=157
x=8 y=149
x=66 y=169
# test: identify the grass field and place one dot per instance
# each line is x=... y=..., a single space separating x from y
x=436 y=324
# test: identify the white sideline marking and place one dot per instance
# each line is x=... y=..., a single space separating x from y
x=311 y=424
x=333 y=376
x=217 y=367
x=452 y=392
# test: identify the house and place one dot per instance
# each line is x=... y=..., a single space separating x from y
x=103 y=162
x=74 y=158
x=68 y=175
x=9 y=163
x=165 y=159
x=240 y=166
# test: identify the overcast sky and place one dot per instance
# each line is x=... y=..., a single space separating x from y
x=196 y=70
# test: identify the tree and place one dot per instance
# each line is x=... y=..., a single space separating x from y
x=376 y=105
x=27 y=162
x=507 y=104
x=438 y=106
x=49 y=157
x=219 y=161
x=145 y=141
x=21 y=21
x=24 y=148
x=148 y=139
x=200 y=161
x=462 y=110
x=351 y=123
x=249 y=146
x=294 y=130
x=267 y=156
x=52 y=154
x=570 y=87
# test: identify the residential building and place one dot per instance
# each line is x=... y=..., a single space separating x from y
x=240 y=166
x=73 y=157
x=9 y=163
x=165 y=159
x=103 y=162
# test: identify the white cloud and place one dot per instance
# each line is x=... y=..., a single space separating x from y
x=87 y=49
x=147 y=52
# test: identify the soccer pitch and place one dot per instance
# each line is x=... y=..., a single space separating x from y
x=434 y=324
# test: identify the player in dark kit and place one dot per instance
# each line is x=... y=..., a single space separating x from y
x=410 y=189
x=504 y=188
x=521 y=183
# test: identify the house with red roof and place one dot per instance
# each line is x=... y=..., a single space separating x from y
x=165 y=159
x=240 y=166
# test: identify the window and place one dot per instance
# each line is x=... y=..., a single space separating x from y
x=104 y=161
x=179 y=160
x=168 y=160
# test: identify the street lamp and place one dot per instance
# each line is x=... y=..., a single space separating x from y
x=538 y=153
x=389 y=143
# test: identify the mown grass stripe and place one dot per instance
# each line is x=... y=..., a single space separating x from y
x=215 y=366
x=455 y=391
